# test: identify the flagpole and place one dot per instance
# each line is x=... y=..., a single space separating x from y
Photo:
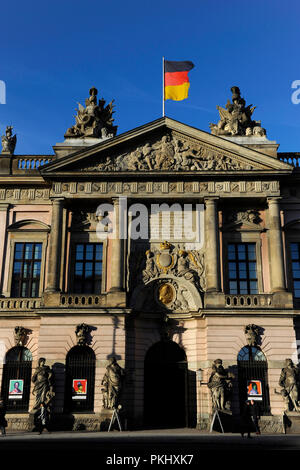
x=163 y=91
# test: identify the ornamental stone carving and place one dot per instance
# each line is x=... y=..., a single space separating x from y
x=236 y=119
x=188 y=264
x=220 y=385
x=20 y=334
x=171 y=153
x=9 y=141
x=82 y=332
x=250 y=216
x=252 y=334
x=166 y=277
x=93 y=120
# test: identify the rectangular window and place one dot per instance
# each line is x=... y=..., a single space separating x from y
x=88 y=268
x=242 y=274
x=295 y=257
x=26 y=270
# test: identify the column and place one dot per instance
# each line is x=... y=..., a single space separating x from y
x=55 y=241
x=117 y=251
x=4 y=208
x=275 y=246
x=212 y=264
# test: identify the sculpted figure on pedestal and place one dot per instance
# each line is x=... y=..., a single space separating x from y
x=9 y=141
x=43 y=384
x=112 y=384
x=289 y=381
x=220 y=385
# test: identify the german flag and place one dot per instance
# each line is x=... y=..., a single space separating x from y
x=176 y=80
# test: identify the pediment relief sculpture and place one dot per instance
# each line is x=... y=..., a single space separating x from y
x=172 y=153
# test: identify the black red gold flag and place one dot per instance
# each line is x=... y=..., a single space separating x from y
x=176 y=80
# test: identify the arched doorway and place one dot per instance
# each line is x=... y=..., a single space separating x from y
x=80 y=379
x=165 y=386
x=252 y=365
x=16 y=378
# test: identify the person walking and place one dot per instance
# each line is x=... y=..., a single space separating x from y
x=3 y=422
x=42 y=418
x=250 y=417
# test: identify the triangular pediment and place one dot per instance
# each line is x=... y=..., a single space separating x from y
x=164 y=146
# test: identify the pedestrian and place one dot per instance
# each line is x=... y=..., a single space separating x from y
x=250 y=417
x=3 y=422
x=42 y=418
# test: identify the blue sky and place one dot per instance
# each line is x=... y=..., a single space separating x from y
x=53 y=52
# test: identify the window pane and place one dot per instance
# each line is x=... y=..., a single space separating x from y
x=36 y=269
x=233 y=287
x=18 y=250
x=243 y=287
x=251 y=252
x=231 y=252
x=241 y=252
x=253 y=287
x=98 y=268
x=28 y=251
x=38 y=251
x=99 y=249
x=79 y=252
x=17 y=267
x=89 y=252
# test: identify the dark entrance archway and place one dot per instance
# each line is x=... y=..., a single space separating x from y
x=80 y=379
x=165 y=386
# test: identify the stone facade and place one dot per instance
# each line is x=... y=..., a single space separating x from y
x=158 y=291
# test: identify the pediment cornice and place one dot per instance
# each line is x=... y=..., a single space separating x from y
x=162 y=147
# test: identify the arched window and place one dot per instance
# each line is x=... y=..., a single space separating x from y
x=80 y=379
x=16 y=378
x=252 y=365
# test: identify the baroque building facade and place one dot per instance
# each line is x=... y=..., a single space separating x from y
x=213 y=275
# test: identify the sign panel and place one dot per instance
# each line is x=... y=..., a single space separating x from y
x=16 y=387
x=254 y=390
x=79 y=389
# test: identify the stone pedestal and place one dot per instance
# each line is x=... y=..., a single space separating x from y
x=291 y=422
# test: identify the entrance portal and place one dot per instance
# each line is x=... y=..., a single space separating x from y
x=165 y=386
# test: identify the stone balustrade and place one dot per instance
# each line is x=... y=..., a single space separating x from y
x=291 y=159
x=81 y=300
x=29 y=163
x=19 y=303
x=248 y=301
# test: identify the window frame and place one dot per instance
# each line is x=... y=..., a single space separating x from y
x=85 y=237
x=238 y=279
x=27 y=235
x=85 y=261
x=30 y=279
x=242 y=237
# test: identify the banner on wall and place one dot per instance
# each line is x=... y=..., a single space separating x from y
x=254 y=390
x=16 y=387
x=79 y=389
